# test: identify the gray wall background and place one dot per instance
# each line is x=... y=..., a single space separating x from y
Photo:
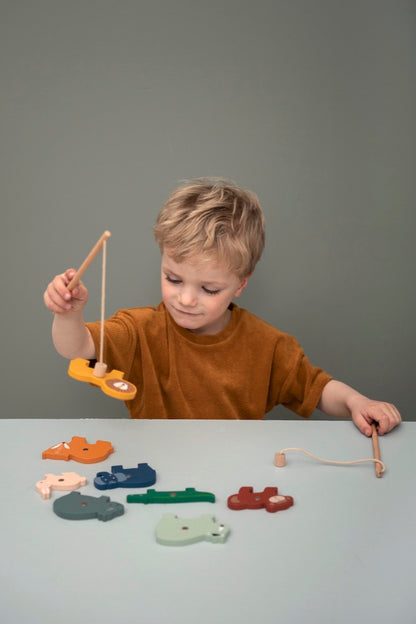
x=106 y=105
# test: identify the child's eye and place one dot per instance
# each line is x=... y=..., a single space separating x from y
x=172 y=280
x=209 y=291
x=175 y=280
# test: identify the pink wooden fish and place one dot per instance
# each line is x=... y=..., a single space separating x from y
x=64 y=481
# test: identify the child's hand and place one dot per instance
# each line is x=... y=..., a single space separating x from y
x=338 y=399
x=365 y=412
x=60 y=300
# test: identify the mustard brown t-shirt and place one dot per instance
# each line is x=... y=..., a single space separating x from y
x=240 y=373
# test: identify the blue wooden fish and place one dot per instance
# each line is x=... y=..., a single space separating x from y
x=139 y=477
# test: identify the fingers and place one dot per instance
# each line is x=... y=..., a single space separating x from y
x=362 y=425
x=389 y=418
x=385 y=415
x=57 y=297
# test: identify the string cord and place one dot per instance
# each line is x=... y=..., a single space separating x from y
x=332 y=461
x=103 y=279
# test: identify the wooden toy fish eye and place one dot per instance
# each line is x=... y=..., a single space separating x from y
x=120 y=385
x=111 y=383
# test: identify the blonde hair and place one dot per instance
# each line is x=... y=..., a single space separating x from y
x=212 y=218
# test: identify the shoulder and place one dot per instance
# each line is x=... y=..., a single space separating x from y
x=270 y=339
x=254 y=323
x=140 y=317
x=140 y=314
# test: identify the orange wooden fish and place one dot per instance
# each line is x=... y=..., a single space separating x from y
x=113 y=383
x=79 y=450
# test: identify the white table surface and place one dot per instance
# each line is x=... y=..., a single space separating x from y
x=345 y=552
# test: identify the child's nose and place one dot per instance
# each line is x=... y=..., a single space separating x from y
x=187 y=297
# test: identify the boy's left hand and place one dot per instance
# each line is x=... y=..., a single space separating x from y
x=365 y=412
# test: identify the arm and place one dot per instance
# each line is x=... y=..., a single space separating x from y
x=70 y=336
x=340 y=400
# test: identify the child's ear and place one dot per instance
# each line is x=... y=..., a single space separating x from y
x=242 y=285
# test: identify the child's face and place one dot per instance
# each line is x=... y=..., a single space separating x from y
x=197 y=295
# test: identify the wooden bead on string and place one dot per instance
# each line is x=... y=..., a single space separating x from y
x=280 y=460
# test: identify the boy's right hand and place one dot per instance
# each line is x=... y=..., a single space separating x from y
x=60 y=300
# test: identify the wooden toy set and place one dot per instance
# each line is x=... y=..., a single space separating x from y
x=171 y=530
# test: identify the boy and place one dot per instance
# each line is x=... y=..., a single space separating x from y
x=197 y=354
